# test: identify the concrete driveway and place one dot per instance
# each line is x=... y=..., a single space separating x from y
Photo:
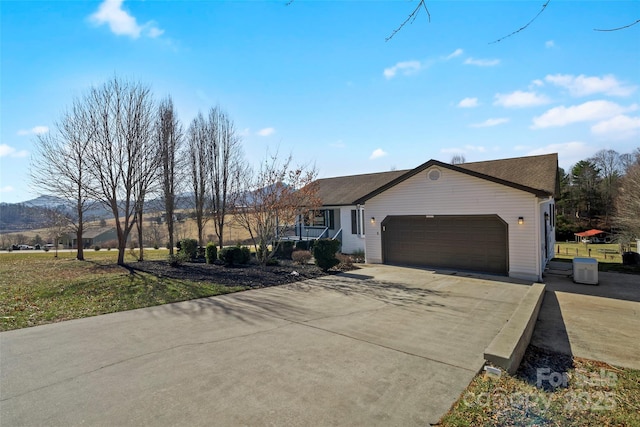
x=379 y=346
x=594 y=322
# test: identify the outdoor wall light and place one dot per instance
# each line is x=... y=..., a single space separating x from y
x=373 y=220
x=520 y=220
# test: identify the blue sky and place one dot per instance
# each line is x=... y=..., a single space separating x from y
x=317 y=78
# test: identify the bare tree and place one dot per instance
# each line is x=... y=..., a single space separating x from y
x=170 y=137
x=225 y=165
x=121 y=152
x=272 y=199
x=59 y=166
x=145 y=182
x=628 y=203
x=630 y=159
x=197 y=145
x=57 y=226
x=609 y=164
x=458 y=159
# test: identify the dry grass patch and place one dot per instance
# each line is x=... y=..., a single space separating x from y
x=551 y=389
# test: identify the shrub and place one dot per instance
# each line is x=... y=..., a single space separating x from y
x=178 y=259
x=301 y=257
x=324 y=251
x=211 y=253
x=96 y=248
x=358 y=256
x=246 y=254
x=272 y=262
x=110 y=244
x=155 y=246
x=346 y=261
x=304 y=245
x=232 y=255
x=189 y=247
x=284 y=250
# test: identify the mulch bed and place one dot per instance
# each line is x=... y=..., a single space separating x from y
x=251 y=275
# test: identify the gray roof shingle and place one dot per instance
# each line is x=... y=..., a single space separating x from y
x=343 y=190
x=535 y=174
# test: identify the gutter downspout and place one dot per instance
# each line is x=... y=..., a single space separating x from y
x=538 y=232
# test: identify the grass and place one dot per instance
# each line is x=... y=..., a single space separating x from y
x=596 y=394
x=608 y=255
x=609 y=252
x=36 y=288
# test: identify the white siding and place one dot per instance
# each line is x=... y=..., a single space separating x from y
x=457 y=193
x=350 y=242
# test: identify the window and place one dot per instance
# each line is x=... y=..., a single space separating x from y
x=320 y=218
x=357 y=224
x=354 y=221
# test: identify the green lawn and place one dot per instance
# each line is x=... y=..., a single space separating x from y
x=37 y=288
x=608 y=252
x=608 y=255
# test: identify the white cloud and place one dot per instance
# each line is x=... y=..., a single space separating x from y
x=377 y=153
x=482 y=62
x=244 y=132
x=549 y=44
x=338 y=144
x=618 y=127
x=266 y=132
x=468 y=103
x=36 y=130
x=6 y=189
x=490 y=122
x=582 y=85
x=519 y=99
x=569 y=153
x=588 y=111
x=537 y=83
x=122 y=23
x=454 y=54
x=154 y=31
x=404 y=67
x=8 y=151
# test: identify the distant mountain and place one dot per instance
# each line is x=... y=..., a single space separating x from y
x=33 y=214
x=49 y=202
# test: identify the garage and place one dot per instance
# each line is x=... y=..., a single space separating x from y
x=466 y=242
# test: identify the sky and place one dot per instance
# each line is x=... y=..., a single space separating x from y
x=320 y=81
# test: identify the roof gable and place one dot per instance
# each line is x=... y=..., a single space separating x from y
x=534 y=174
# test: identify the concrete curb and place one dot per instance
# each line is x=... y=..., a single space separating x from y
x=508 y=347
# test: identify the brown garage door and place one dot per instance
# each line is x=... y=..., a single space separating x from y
x=474 y=242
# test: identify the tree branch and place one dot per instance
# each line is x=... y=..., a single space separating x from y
x=619 y=28
x=544 y=6
x=411 y=18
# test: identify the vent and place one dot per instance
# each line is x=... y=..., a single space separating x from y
x=434 y=175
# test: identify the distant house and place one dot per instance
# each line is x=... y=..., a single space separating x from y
x=92 y=237
x=496 y=216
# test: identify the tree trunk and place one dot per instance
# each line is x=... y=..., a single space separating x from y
x=122 y=245
x=170 y=230
x=80 y=249
x=140 y=243
x=220 y=239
